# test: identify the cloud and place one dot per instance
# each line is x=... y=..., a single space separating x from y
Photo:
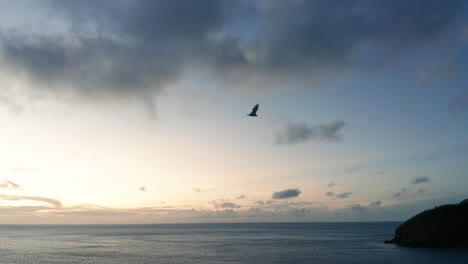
x=376 y=203
x=225 y=205
x=300 y=212
x=129 y=49
x=354 y=169
x=298 y=43
x=10 y=185
x=142 y=188
x=49 y=201
x=400 y=192
x=259 y=202
x=343 y=195
x=286 y=194
x=240 y=197
x=358 y=208
x=199 y=190
x=301 y=132
x=134 y=49
x=331 y=184
x=229 y=205
x=274 y=211
x=420 y=179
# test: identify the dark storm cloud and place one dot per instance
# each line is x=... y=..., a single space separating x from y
x=328 y=33
x=420 y=179
x=343 y=195
x=286 y=194
x=139 y=45
x=301 y=132
x=135 y=48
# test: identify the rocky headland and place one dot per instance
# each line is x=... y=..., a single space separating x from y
x=442 y=226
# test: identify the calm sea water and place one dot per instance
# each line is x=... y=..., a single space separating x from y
x=214 y=243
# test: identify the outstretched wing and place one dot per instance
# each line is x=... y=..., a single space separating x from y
x=255 y=109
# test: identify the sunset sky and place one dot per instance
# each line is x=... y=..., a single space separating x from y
x=118 y=111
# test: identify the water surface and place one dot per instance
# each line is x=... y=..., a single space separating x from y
x=214 y=243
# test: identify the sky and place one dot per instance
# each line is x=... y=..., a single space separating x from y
x=135 y=112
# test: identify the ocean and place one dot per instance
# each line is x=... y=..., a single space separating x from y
x=214 y=243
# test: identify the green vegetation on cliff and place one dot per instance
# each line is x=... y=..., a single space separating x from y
x=443 y=226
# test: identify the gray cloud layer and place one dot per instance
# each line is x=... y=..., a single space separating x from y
x=286 y=194
x=301 y=132
x=135 y=48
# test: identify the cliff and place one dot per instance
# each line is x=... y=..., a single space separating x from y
x=443 y=226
